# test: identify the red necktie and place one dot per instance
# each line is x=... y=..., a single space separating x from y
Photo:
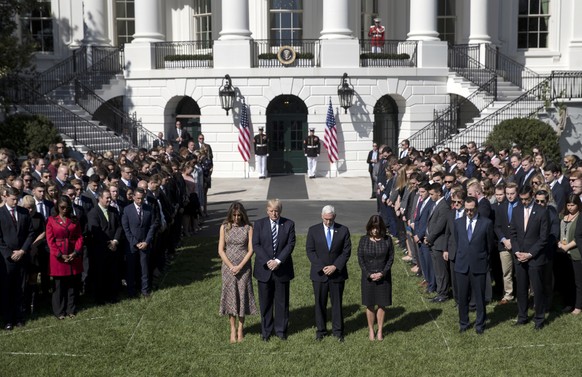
x=12 y=215
x=417 y=208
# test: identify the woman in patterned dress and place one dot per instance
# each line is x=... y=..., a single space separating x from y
x=235 y=249
x=375 y=256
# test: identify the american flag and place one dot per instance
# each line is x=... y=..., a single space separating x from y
x=244 y=135
x=330 y=138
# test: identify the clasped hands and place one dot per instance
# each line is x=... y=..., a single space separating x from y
x=376 y=276
x=522 y=256
x=272 y=264
x=142 y=245
x=328 y=270
x=17 y=255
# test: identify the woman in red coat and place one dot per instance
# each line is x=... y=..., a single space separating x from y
x=65 y=240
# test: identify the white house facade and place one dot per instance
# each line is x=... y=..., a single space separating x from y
x=286 y=59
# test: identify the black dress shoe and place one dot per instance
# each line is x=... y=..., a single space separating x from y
x=282 y=337
x=539 y=326
x=439 y=299
x=9 y=327
x=318 y=338
x=463 y=329
x=519 y=323
x=479 y=331
x=340 y=339
x=265 y=338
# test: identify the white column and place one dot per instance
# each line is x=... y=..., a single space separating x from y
x=575 y=45
x=336 y=20
x=423 y=20
x=235 y=20
x=148 y=21
x=479 y=21
x=95 y=23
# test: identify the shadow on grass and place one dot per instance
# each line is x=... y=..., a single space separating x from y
x=411 y=320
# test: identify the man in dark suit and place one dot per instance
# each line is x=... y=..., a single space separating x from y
x=528 y=171
x=474 y=240
x=328 y=248
x=201 y=144
x=551 y=170
x=139 y=225
x=159 y=142
x=517 y=173
x=90 y=196
x=373 y=160
x=104 y=229
x=436 y=240
x=420 y=221
x=179 y=137
x=273 y=243
x=456 y=212
x=16 y=237
x=43 y=206
x=529 y=234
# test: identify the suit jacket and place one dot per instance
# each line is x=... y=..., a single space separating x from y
x=263 y=248
x=578 y=233
x=450 y=234
x=559 y=196
x=421 y=220
x=473 y=255
x=484 y=209
x=533 y=240
x=502 y=226
x=369 y=160
x=437 y=226
x=173 y=135
x=102 y=230
x=17 y=236
x=161 y=143
x=137 y=231
x=208 y=147
x=320 y=256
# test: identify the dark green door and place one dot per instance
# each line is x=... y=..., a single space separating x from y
x=286 y=134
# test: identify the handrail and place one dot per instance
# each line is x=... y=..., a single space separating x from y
x=511 y=70
x=558 y=85
x=81 y=130
x=461 y=62
x=62 y=72
x=445 y=124
x=121 y=123
x=183 y=54
x=264 y=52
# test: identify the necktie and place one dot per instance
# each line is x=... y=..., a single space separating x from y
x=274 y=234
x=418 y=208
x=139 y=213
x=13 y=215
x=328 y=238
x=470 y=230
x=509 y=211
x=105 y=213
x=526 y=218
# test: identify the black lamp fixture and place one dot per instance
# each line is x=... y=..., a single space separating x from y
x=226 y=93
x=345 y=92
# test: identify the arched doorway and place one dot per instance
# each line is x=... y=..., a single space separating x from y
x=386 y=122
x=188 y=111
x=286 y=129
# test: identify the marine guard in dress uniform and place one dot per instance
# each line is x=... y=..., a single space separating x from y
x=311 y=148
x=376 y=32
x=261 y=153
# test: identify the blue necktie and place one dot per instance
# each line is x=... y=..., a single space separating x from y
x=328 y=238
x=274 y=234
x=509 y=211
x=470 y=230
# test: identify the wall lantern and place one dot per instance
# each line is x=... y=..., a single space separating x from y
x=226 y=93
x=345 y=92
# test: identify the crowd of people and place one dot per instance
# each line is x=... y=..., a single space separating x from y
x=97 y=226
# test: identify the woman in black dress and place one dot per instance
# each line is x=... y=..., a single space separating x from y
x=375 y=256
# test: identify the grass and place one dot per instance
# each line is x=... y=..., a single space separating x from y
x=178 y=332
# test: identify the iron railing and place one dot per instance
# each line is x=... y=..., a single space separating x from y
x=558 y=85
x=82 y=131
x=446 y=121
x=391 y=53
x=62 y=72
x=511 y=70
x=186 y=54
x=106 y=62
x=264 y=52
x=116 y=120
x=464 y=60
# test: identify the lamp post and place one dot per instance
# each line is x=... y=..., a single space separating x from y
x=226 y=93
x=345 y=92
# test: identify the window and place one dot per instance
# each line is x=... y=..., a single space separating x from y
x=286 y=21
x=533 y=19
x=446 y=20
x=38 y=24
x=369 y=12
x=202 y=21
x=125 y=19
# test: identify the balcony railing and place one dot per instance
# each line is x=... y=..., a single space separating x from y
x=265 y=52
x=390 y=54
x=186 y=54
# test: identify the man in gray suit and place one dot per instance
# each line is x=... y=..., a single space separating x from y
x=436 y=240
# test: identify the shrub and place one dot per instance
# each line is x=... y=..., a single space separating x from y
x=527 y=133
x=24 y=133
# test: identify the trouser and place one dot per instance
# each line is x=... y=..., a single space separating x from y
x=427 y=267
x=577 y=267
x=138 y=266
x=65 y=294
x=507 y=273
x=441 y=272
x=261 y=165
x=321 y=290
x=469 y=284
x=12 y=282
x=526 y=275
x=311 y=166
x=274 y=297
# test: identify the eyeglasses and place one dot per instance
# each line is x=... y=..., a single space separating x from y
x=538 y=201
x=535 y=182
x=457 y=202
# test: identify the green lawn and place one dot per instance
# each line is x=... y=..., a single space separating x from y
x=179 y=333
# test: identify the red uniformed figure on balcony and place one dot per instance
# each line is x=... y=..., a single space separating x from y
x=376 y=32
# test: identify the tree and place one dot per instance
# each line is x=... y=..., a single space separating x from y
x=24 y=133
x=15 y=54
x=528 y=133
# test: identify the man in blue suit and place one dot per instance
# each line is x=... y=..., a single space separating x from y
x=474 y=241
x=420 y=222
x=328 y=248
x=139 y=223
x=273 y=243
